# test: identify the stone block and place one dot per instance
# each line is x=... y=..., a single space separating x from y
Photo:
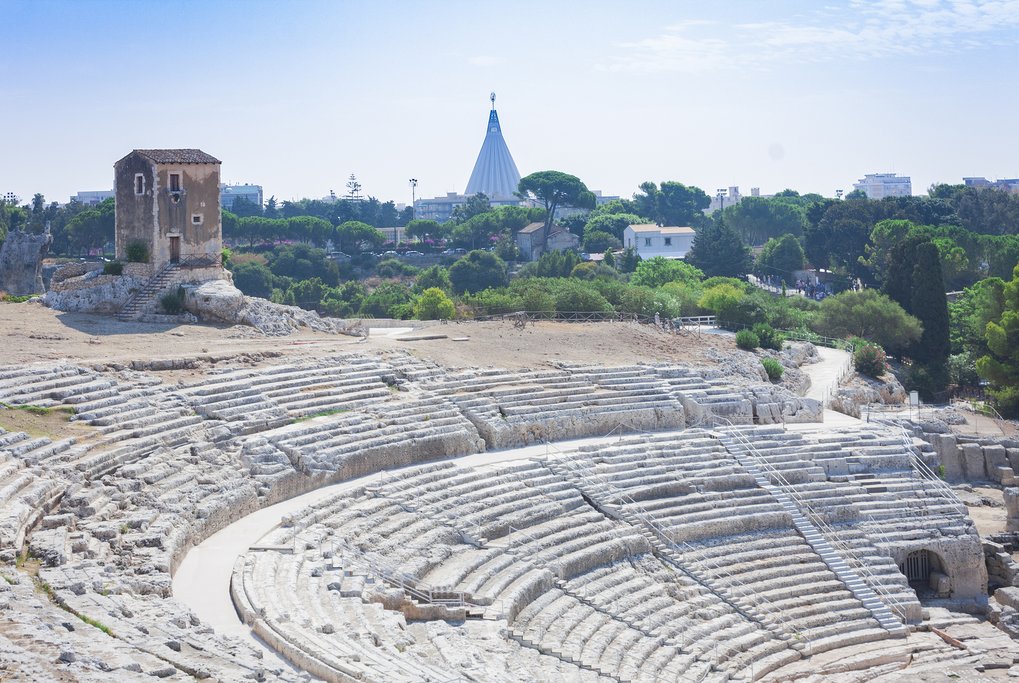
x=973 y=459
x=994 y=457
x=1013 y=458
x=1003 y=475
x=940 y=584
x=1011 y=498
x=950 y=456
x=1009 y=597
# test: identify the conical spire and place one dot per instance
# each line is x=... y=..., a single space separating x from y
x=494 y=173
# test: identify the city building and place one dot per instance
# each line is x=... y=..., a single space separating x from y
x=228 y=194
x=731 y=197
x=168 y=201
x=651 y=240
x=881 y=185
x=93 y=197
x=11 y=198
x=495 y=175
x=1006 y=184
x=532 y=243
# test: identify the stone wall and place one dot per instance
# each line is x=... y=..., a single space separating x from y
x=21 y=262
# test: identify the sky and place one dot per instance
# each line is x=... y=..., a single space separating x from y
x=296 y=96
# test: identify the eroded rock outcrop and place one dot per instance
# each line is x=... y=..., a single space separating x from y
x=21 y=262
x=219 y=301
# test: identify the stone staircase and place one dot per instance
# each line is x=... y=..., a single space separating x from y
x=817 y=540
x=144 y=296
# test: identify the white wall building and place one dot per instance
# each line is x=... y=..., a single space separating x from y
x=881 y=185
x=228 y=194
x=92 y=197
x=654 y=240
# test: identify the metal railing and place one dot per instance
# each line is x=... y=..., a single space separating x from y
x=814 y=517
x=625 y=503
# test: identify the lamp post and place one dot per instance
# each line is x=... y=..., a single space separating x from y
x=721 y=197
x=413 y=198
x=838 y=195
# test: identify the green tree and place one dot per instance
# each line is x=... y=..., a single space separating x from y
x=308 y=293
x=780 y=257
x=868 y=314
x=930 y=306
x=474 y=206
x=757 y=219
x=92 y=228
x=658 y=270
x=629 y=260
x=309 y=229
x=672 y=204
x=612 y=223
x=352 y=235
x=577 y=296
x=1001 y=364
x=718 y=250
x=388 y=300
x=433 y=277
x=303 y=262
x=721 y=299
x=554 y=189
x=476 y=271
x=600 y=241
x=420 y=228
x=253 y=279
x=344 y=301
x=433 y=304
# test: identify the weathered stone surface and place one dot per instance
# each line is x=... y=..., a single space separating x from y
x=973 y=457
x=950 y=456
x=92 y=292
x=1011 y=497
x=220 y=301
x=21 y=262
x=995 y=456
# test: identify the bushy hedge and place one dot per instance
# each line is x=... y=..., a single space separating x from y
x=869 y=359
x=769 y=337
x=773 y=368
x=113 y=268
x=747 y=340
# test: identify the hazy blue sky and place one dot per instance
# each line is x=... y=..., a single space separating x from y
x=297 y=95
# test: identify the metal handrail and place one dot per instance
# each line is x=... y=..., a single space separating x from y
x=816 y=519
x=646 y=518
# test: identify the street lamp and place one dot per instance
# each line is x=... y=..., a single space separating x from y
x=413 y=198
x=838 y=194
x=721 y=197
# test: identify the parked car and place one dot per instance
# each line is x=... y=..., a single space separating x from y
x=413 y=254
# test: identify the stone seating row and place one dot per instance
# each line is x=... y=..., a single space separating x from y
x=345 y=635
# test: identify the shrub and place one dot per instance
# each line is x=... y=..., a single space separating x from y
x=137 y=252
x=769 y=337
x=224 y=255
x=173 y=301
x=113 y=268
x=433 y=304
x=869 y=359
x=747 y=340
x=773 y=368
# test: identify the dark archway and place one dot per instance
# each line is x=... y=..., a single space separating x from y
x=918 y=568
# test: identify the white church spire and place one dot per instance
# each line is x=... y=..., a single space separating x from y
x=494 y=173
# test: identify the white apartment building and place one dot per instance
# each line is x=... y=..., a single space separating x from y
x=651 y=240
x=881 y=185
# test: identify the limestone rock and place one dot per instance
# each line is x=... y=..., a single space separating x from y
x=21 y=262
x=92 y=292
x=219 y=301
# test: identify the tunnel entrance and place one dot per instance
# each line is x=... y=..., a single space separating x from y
x=925 y=573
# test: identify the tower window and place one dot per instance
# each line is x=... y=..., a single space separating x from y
x=139 y=183
x=647 y=241
x=196 y=219
x=668 y=241
x=175 y=182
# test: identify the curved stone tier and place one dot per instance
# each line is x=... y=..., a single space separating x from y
x=648 y=558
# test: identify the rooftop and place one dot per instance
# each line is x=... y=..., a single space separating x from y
x=664 y=230
x=178 y=156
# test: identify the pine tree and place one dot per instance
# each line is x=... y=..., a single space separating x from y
x=929 y=304
x=718 y=250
